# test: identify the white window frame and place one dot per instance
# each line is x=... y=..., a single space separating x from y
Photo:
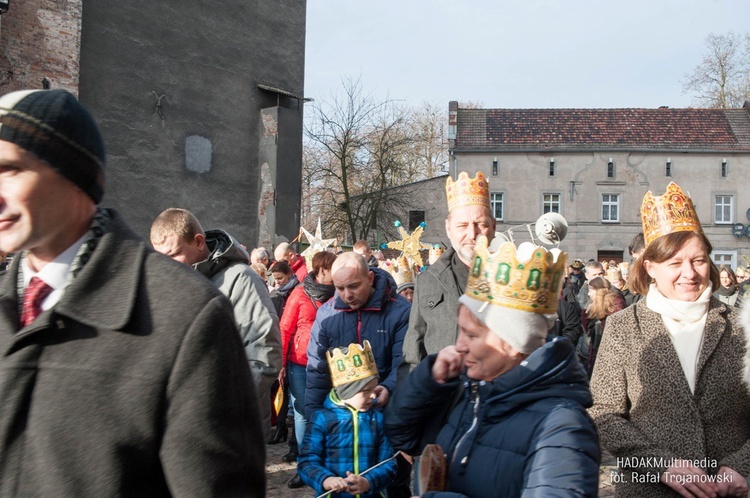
x=722 y=220
x=610 y=204
x=551 y=202
x=728 y=258
x=493 y=201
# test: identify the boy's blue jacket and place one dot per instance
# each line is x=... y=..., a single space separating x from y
x=383 y=321
x=340 y=439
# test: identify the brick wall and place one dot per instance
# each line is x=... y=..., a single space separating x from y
x=40 y=39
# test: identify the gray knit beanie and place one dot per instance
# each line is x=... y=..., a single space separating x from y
x=55 y=127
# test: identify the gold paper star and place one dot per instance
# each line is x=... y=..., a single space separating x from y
x=317 y=243
x=409 y=245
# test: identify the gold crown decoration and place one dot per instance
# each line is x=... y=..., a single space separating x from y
x=317 y=244
x=467 y=192
x=613 y=274
x=356 y=363
x=668 y=213
x=409 y=245
x=400 y=270
x=507 y=278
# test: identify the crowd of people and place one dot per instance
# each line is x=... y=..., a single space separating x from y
x=132 y=373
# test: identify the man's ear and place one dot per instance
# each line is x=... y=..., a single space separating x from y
x=370 y=277
x=200 y=240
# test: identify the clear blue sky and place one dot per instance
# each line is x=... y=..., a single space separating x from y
x=517 y=54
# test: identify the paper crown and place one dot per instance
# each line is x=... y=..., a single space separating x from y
x=356 y=363
x=613 y=274
x=668 y=213
x=467 y=192
x=400 y=270
x=527 y=279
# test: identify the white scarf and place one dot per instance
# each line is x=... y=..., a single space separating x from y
x=685 y=321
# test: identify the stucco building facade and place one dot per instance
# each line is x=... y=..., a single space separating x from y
x=200 y=105
x=594 y=166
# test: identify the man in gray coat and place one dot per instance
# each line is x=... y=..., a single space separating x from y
x=217 y=255
x=432 y=323
x=112 y=354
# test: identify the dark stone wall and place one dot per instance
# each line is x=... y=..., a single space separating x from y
x=156 y=73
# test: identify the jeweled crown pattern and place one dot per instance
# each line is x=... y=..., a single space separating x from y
x=501 y=279
x=356 y=363
x=467 y=192
x=668 y=213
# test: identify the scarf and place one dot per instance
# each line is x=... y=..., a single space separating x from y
x=315 y=291
x=685 y=321
x=727 y=291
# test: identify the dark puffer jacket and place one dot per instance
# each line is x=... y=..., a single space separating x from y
x=383 y=321
x=525 y=433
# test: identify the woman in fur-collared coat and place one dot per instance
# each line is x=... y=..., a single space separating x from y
x=669 y=398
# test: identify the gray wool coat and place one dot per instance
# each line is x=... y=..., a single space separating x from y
x=134 y=384
x=643 y=407
x=433 y=320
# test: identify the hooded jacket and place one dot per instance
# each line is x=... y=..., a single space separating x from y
x=296 y=323
x=383 y=321
x=340 y=439
x=254 y=312
x=525 y=433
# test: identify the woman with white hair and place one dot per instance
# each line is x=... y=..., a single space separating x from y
x=507 y=408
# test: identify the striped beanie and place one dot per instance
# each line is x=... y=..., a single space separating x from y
x=55 y=127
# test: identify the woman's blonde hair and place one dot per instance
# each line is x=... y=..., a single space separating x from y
x=603 y=303
x=660 y=250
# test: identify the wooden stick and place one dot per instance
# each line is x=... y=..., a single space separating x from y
x=365 y=472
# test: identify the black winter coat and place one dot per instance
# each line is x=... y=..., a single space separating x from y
x=525 y=433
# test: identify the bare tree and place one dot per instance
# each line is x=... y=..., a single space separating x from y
x=360 y=157
x=722 y=79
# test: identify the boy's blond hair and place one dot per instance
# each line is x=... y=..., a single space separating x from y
x=175 y=221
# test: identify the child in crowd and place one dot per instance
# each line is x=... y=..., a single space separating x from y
x=346 y=436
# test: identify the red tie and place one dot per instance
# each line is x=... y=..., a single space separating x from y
x=35 y=293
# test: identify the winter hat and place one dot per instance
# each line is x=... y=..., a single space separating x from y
x=55 y=127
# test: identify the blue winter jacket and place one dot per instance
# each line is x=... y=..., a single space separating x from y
x=383 y=321
x=340 y=439
x=526 y=433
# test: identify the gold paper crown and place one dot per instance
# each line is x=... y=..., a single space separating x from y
x=467 y=192
x=400 y=270
x=613 y=274
x=668 y=213
x=356 y=363
x=501 y=279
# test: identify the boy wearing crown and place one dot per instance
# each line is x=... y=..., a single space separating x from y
x=345 y=437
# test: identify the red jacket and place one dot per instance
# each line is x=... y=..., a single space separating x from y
x=299 y=267
x=296 y=322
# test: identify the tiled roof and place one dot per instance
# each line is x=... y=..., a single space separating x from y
x=664 y=128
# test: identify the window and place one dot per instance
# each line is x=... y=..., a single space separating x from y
x=494 y=167
x=723 y=208
x=668 y=171
x=552 y=167
x=415 y=218
x=611 y=208
x=724 y=169
x=496 y=203
x=551 y=203
x=610 y=169
x=728 y=258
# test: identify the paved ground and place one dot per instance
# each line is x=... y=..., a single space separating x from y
x=278 y=474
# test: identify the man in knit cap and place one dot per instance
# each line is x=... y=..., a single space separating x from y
x=111 y=352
